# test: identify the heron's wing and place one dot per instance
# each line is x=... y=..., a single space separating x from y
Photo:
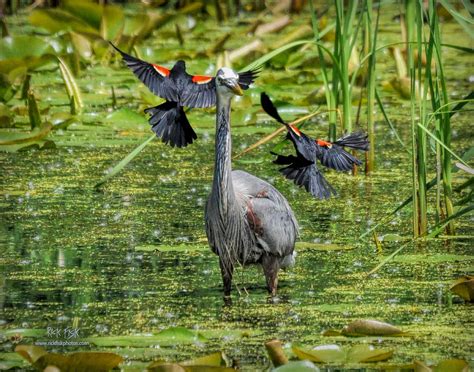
x=274 y=228
x=268 y=213
x=155 y=77
x=200 y=91
x=335 y=157
x=356 y=140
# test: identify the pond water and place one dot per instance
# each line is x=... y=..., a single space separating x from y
x=131 y=258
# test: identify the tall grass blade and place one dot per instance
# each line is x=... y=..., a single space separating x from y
x=465 y=23
x=441 y=143
x=330 y=99
x=371 y=85
x=389 y=122
x=265 y=58
x=429 y=185
x=441 y=226
x=387 y=259
x=123 y=163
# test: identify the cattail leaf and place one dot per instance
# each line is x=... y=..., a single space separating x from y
x=71 y=86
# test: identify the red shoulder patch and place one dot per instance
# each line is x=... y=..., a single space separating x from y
x=324 y=143
x=163 y=71
x=201 y=79
x=296 y=130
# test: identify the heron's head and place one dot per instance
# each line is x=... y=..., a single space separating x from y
x=227 y=82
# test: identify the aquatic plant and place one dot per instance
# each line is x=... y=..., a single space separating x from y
x=87 y=26
x=370 y=47
x=81 y=361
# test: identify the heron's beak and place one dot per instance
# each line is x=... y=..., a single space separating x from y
x=237 y=89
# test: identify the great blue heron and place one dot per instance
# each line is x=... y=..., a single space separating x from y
x=302 y=168
x=247 y=220
x=168 y=120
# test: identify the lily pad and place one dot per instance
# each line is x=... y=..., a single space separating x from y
x=125 y=118
x=214 y=359
x=175 y=367
x=169 y=336
x=165 y=367
x=448 y=365
x=22 y=46
x=301 y=366
x=367 y=353
x=337 y=355
x=11 y=360
x=24 y=332
x=88 y=11
x=13 y=140
x=321 y=354
x=464 y=287
x=55 y=20
x=370 y=327
x=21 y=50
x=77 y=362
x=212 y=362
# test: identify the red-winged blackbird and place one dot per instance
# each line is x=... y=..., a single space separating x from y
x=179 y=89
x=302 y=168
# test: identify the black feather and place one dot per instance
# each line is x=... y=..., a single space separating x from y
x=169 y=122
x=248 y=77
x=356 y=140
x=270 y=108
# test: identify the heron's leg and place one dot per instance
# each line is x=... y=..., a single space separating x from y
x=271 y=266
x=227 y=270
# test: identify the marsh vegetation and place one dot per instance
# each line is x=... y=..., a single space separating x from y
x=102 y=228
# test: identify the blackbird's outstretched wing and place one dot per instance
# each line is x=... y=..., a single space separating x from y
x=311 y=178
x=305 y=173
x=284 y=159
x=356 y=140
x=270 y=108
x=200 y=91
x=153 y=76
x=335 y=157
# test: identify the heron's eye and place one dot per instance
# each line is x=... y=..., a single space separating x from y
x=219 y=79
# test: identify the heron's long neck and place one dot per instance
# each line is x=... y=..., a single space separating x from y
x=222 y=185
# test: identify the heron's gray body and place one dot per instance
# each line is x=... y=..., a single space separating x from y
x=248 y=221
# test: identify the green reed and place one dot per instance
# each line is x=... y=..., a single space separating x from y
x=336 y=78
x=414 y=32
x=371 y=45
